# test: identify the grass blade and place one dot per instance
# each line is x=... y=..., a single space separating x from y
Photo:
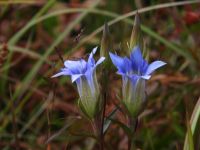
x=193 y=123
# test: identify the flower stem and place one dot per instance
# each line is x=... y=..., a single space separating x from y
x=102 y=122
x=133 y=123
x=129 y=142
x=98 y=130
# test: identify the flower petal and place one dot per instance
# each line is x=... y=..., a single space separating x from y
x=63 y=71
x=90 y=82
x=136 y=58
x=146 y=77
x=118 y=62
x=100 y=61
x=94 y=50
x=153 y=66
x=75 y=77
x=91 y=60
x=58 y=74
x=76 y=67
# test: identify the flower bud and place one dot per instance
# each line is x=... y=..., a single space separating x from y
x=105 y=42
x=136 y=37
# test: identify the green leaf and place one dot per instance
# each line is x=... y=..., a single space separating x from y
x=107 y=120
x=190 y=137
x=192 y=127
x=69 y=123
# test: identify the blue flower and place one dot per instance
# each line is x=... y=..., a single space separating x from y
x=134 y=71
x=84 y=74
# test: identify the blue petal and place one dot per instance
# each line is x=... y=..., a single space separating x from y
x=127 y=64
x=153 y=66
x=143 y=67
x=59 y=74
x=91 y=60
x=76 y=67
x=121 y=73
x=118 y=62
x=136 y=58
x=75 y=77
x=79 y=86
x=126 y=67
x=62 y=72
x=100 y=61
x=146 y=77
x=94 y=50
x=90 y=81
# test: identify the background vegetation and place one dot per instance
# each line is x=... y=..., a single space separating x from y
x=36 y=112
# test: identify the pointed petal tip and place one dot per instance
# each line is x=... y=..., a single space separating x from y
x=55 y=75
x=113 y=55
x=103 y=58
x=161 y=63
x=94 y=50
x=136 y=56
x=154 y=65
x=100 y=61
x=146 y=77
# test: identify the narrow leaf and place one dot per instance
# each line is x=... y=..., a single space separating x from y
x=66 y=126
x=107 y=121
x=193 y=125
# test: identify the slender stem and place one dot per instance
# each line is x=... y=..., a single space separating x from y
x=97 y=132
x=102 y=122
x=130 y=122
x=133 y=123
x=104 y=86
x=129 y=142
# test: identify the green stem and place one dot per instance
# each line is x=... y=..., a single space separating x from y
x=133 y=126
x=102 y=123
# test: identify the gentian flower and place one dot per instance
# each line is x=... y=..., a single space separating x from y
x=84 y=74
x=134 y=71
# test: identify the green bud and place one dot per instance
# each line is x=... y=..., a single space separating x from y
x=136 y=36
x=105 y=42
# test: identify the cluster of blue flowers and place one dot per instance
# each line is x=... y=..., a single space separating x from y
x=134 y=71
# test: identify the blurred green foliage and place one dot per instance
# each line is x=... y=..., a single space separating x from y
x=171 y=33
